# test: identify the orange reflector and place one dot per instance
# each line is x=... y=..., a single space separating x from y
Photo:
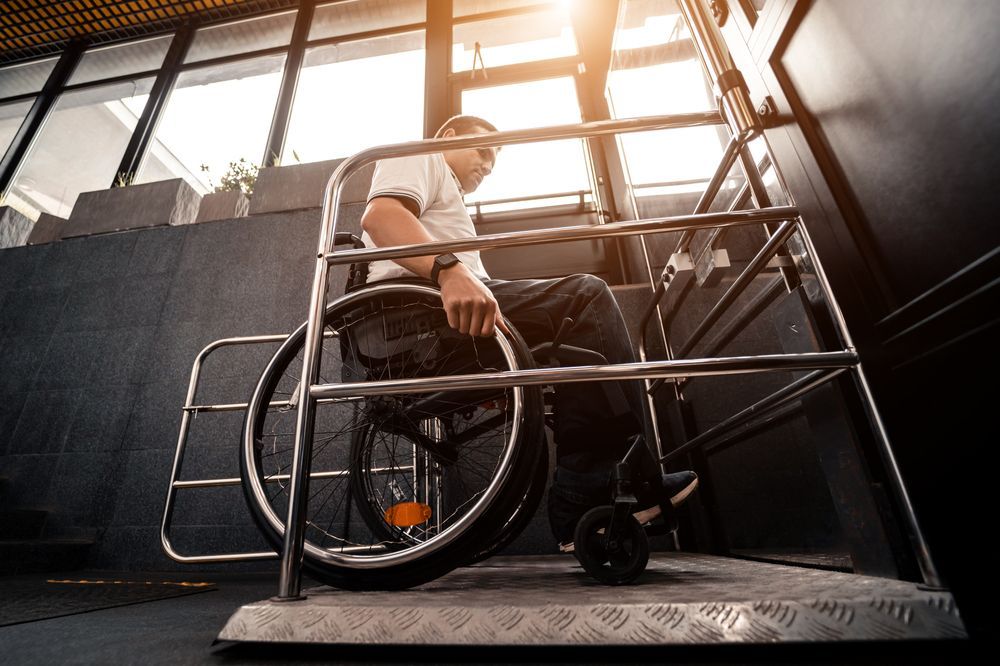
x=407 y=514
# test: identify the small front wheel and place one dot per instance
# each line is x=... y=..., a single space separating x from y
x=618 y=562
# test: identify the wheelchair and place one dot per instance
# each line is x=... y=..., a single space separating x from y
x=406 y=487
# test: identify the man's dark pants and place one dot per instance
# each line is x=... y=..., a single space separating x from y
x=593 y=421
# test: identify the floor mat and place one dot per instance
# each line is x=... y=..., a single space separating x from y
x=28 y=600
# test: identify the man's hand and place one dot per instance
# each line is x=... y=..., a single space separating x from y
x=470 y=306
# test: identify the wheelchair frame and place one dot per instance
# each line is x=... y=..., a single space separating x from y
x=736 y=112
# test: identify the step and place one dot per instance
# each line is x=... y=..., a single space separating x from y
x=680 y=599
x=22 y=523
x=41 y=555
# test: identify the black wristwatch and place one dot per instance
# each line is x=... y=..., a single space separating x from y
x=440 y=262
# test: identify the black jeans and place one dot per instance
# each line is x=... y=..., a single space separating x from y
x=593 y=421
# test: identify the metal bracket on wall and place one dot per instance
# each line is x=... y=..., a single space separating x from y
x=767 y=111
x=710 y=266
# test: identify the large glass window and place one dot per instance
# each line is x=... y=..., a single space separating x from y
x=216 y=115
x=469 y=7
x=25 y=78
x=106 y=62
x=535 y=169
x=347 y=18
x=655 y=71
x=238 y=37
x=540 y=35
x=78 y=149
x=11 y=117
x=357 y=95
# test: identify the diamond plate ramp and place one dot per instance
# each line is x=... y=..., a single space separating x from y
x=549 y=600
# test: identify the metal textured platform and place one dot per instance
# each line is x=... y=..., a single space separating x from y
x=549 y=600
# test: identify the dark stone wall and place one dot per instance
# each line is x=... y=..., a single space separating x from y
x=97 y=338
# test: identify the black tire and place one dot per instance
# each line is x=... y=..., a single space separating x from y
x=404 y=334
x=617 y=566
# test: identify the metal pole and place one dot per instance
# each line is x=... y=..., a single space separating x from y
x=708 y=196
x=755 y=266
x=763 y=200
x=728 y=82
x=731 y=365
x=566 y=234
x=760 y=408
x=290 y=575
x=756 y=305
x=919 y=543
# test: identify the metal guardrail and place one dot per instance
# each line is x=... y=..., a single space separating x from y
x=743 y=124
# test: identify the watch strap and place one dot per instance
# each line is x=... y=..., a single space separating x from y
x=440 y=262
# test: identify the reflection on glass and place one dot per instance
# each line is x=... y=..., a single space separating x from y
x=133 y=58
x=469 y=7
x=25 y=78
x=215 y=116
x=655 y=71
x=241 y=37
x=11 y=116
x=79 y=148
x=354 y=16
x=329 y=121
x=648 y=23
x=535 y=169
x=513 y=39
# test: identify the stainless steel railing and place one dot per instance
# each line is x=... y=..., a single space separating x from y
x=310 y=390
x=737 y=113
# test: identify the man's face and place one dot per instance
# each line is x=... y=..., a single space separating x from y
x=470 y=165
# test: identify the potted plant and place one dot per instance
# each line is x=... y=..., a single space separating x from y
x=231 y=196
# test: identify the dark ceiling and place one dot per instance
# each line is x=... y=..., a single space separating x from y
x=32 y=28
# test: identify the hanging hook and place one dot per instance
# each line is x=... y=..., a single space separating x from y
x=478 y=55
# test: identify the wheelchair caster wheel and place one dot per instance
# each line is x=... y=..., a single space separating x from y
x=616 y=563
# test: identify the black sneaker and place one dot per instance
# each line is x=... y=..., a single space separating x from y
x=678 y=486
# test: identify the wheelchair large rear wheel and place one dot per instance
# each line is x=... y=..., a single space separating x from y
x=403 y=487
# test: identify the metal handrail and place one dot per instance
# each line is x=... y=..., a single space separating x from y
x=732 y=365
x=745 y=124
x=739 y=116
x=289 y=576
x=175 y=484
x=568 y=234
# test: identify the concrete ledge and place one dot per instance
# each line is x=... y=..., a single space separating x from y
x=302 y=185
x=222 y=206
x=165 y=202
x=14 y=227
x=47 y=229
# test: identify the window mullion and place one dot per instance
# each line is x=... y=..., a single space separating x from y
x=145 y=128
x=38 y=113
x=289 y=81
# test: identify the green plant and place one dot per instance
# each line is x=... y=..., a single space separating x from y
x=240 y=176
x=124 y=179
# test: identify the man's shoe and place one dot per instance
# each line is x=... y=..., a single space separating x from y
x=678 y=486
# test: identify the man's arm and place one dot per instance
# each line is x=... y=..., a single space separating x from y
x=470 y=306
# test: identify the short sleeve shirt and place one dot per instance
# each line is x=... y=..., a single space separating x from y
x=428 y=181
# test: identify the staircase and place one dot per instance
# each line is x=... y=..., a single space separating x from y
x=24 y=549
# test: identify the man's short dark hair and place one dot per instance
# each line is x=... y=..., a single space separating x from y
x=465 y=125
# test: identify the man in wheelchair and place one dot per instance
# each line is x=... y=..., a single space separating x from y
x=420 y=199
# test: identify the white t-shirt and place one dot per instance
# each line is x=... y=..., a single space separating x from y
x=430 y=183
